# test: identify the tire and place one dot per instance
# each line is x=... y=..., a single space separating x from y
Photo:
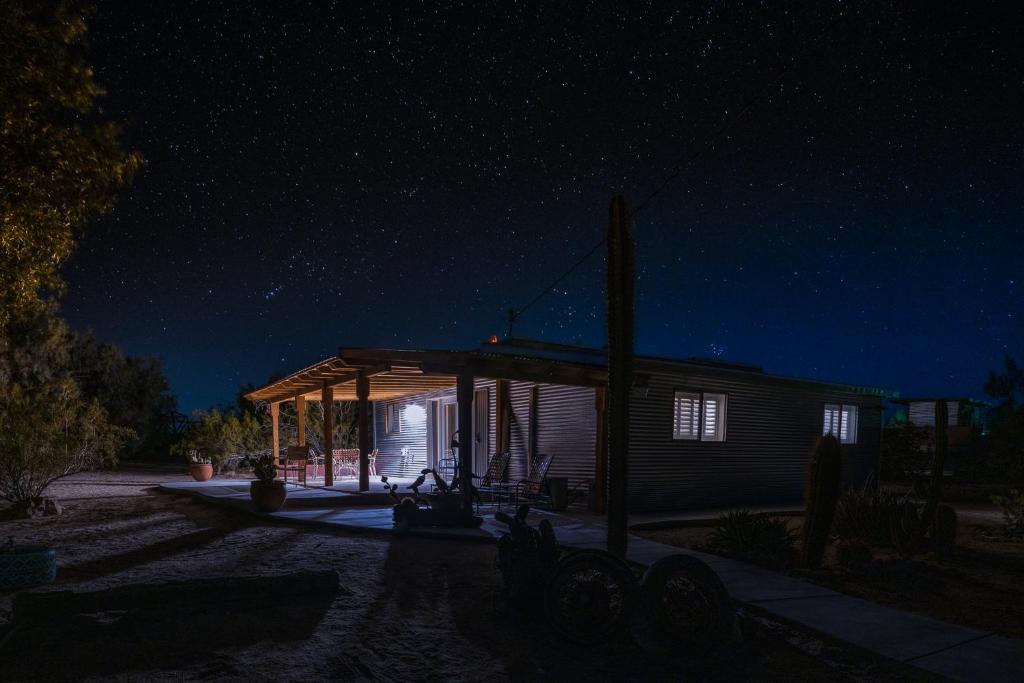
x=686 y=603
x=590 y=596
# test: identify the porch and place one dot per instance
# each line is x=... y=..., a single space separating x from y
x=448 y=411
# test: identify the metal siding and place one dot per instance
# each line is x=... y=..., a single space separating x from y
x=567 y=429
x=922 y=413
x=771 y=427
x=413 y=434
x=519 y=397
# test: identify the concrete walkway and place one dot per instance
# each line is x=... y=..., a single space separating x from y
x=955 y=652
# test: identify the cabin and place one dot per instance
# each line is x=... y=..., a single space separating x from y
x=703 y=433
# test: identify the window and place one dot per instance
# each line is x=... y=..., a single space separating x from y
x=842 y=420
x=392 y=423
x=699 y=416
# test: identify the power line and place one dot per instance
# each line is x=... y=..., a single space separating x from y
x=515 y=314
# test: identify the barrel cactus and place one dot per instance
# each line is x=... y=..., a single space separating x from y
x=944 y=528
x=824 y=472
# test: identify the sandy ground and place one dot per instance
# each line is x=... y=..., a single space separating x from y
x=409 y=609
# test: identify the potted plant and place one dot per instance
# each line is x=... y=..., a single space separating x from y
x=24 y=566
x=267 y=492
x=200 y=466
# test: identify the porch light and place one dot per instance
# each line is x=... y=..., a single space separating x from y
x=415 y=414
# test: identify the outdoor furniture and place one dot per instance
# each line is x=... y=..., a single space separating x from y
x=492 y=482
x=448 y=465
x=316 y=459
x=230 y=465
x=346 y=461
x=372 y=460
x=295 y=460
x=531 y=489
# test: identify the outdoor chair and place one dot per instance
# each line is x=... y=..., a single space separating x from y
x=448 y=465
x=532 y=490
x=346 y=461
x=372 y=459
x=492 y=484
x=295 y=460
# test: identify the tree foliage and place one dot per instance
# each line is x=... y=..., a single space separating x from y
x=216 y=435
x=60 y=163
x=47 y=428
x=1006 y=459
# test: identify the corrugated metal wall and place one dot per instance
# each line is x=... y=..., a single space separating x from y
x=922 y=413
x=519 y=397
x=413 y=420
x=567 y=429
x=771 y=427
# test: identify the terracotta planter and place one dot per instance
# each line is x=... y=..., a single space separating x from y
x=201 y=471
x=268 y=496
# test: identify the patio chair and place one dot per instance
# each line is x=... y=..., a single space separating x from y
x=346 y=461
x=532 y=489
x=373 y=462
x=492 y=483
x=295 y=460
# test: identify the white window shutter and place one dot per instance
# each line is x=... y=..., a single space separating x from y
x=686 y=420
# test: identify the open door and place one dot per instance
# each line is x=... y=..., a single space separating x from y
x=481 y=431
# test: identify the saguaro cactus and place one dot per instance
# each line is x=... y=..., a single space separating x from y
x=944 y=528
x=620 y=366
x=824 y=472
x=938 y=465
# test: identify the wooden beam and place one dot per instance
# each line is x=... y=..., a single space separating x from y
x=363 y=396
x=531 y=440
x=275 y=431
x=300 y=420
x=464 y=391
x=327 y=404
x=600 y=452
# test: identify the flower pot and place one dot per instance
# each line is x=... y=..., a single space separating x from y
x=27 y=566
x=201 y=471
x=268 y=496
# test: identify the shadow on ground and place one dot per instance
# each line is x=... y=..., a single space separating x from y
x=65 y=635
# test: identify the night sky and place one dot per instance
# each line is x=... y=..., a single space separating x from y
x=324 y=175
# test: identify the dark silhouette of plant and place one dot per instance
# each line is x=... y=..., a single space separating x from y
x=938 y=464
x=864 y=513
x=824 y=473
x=1012 y=505
x=944 y=528
x=754 y=536
x=1006 y=459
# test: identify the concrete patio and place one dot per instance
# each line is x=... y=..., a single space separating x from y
x=952 y=651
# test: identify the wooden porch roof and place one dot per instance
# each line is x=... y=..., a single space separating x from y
x=395 y=373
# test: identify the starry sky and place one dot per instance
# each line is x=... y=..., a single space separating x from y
x=344 y=174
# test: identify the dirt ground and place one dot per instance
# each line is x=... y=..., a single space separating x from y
x=981 y=584
x=408 y=609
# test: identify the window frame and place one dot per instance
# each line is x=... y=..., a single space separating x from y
x=854 y=420
x=392 y=425
x=722 y=423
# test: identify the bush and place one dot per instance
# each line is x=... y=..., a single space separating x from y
x=215 y=436
x=906 y=529
x=865 y=513
x=944 y=528
x=905 y=451
x=1013 y=512
x=753 y=536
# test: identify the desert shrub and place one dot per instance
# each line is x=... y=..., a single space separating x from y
x=217 y=435
x=944 y=528
x=1012 y=505
x=906 y=528
x=853 y=554
x=753 y=536
x=47 y=429
x=906 y=451
x=864 y=513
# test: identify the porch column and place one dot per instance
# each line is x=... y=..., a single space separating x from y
x=363 y=394
x=300 y=420
x=275 y=432
x=502 y=415
x=327 y=403
x=600 y=452
x=464 y=396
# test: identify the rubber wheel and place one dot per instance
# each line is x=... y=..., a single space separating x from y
x=686 y=603
x=590 y=596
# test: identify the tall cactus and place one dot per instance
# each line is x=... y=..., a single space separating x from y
x=931 y=503
x=944 y=528
x=620 y=366
x=824 y=472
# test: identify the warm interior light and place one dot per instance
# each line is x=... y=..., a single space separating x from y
x=494 y=339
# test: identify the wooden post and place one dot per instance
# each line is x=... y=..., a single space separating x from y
x=300 y=420
x=620 y=367
x=531 y=440
x=464 y=396
x=275 y=431
x=363 y=395
x=600 y=452
x=502 y=416
x=327 y=403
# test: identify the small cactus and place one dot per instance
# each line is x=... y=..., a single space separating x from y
x=824 y=472
x=905 y=529
x=944 y=528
